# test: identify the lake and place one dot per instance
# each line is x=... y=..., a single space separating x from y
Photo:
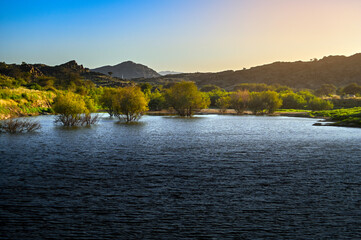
x=208 y=177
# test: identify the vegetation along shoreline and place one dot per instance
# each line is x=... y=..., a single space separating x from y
x=68 y=92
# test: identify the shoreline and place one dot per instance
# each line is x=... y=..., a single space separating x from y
x=323 y=121
x=211 y=111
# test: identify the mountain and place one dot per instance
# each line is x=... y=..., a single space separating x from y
x=337 y=70
x=62 y=75
x=128 y=70
x=163 y=73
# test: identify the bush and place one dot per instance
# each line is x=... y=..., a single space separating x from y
x=73 y=110
x=185 y=98
x=156 y=101
x=326 y=90
x=239 y=101
x=318 y=104
x=19 y=126
x=214 y=95
x=106 y=100
x=352 y=89
x=293 y=101
x=129 y=103
x=264 y=102
x=223 y=103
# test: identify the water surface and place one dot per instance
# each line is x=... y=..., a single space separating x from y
x=207 y=177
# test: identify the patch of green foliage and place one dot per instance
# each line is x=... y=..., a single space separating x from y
x=293 y=110
x=342 y=117
x=24 y=102
x=185 y=98
x=337 y=114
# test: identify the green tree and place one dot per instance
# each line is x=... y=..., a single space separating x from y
x=146 y=88
x=292 y=100
x=129 y=103
x=326 y=90
x=307 y=95
x=352 y=89
x=317 y=104
x=74 y=110
x=215 y=94
x=185 y=98
x=239 y=101
x=272 y=101
x=223 y=103
x=106 y=100
x=156 y=101
x=267 y=101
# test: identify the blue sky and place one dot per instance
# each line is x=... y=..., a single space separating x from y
x=179 y=35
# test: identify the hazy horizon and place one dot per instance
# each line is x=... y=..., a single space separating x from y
x=182 y=36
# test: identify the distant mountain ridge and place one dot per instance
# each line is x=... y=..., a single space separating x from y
x=337 y=70
x=66 y=72
x=163 y=73
x=127 y=70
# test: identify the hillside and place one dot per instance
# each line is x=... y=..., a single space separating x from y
x=127 y=70
x=61 y=75
x=337 y=70
x=163 y=73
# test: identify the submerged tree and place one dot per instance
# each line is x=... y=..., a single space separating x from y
x=74 y=110
x=19 y=126
x=106 y=100
x=185 y=98
x=129 y=103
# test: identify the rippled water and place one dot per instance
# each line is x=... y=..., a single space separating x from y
x=209 y=177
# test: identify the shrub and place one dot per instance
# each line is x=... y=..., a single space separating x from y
x=19 y=126
x=239 y=101
x=318 y=104
x=73 y=110
x=129 y=103
x=264 y=102
x=326 y=90
x=293 y=101
x=185 y=98
x=223 y=103
x=156 y=101
x=214 y=95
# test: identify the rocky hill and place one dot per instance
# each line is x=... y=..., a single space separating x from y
x=127 y=70
x=61 y=74
x=337 y=70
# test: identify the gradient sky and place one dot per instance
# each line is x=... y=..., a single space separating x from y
x=178 y=35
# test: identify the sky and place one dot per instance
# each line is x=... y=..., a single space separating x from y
x=178 y=35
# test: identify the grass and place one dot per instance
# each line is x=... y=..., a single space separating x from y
x=350 y=117
x=24 y=102
x=293 y=110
